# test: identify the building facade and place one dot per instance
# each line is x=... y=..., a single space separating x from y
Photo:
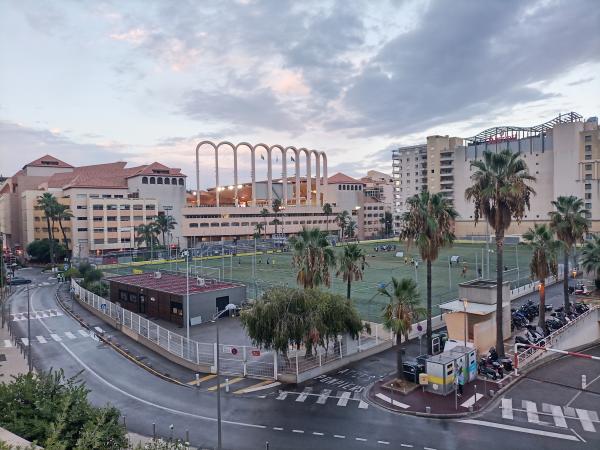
x=563 y=154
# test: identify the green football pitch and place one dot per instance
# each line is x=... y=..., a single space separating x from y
x=277 y=270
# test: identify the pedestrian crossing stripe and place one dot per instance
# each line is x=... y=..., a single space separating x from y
x=224 y=384
x=35 y=315
x=343 y=397
x=254 y=387
x=41 y=339
x=45 y=339
x=7 y=343
x=559 y=414
x=201 y=380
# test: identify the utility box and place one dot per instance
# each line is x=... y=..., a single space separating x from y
x=441 y=374
x=467 y=359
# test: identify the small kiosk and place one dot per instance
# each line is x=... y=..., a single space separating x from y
x=441 y=373
x=467 y=359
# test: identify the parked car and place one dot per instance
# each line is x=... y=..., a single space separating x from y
x=19 y=280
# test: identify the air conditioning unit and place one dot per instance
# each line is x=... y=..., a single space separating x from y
x=157 y=275
x=200 y=282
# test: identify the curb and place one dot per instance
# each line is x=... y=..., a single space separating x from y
x=117 y=349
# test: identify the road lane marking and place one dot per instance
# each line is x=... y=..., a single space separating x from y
x=361 y=439
x=339 y=436
x=406 y=445
x=363 y=405
x=303 y=396
x=567 y=437
x=201 y=380
x=344 y=396
x=507 y=409
x=585 y=419
x=282 y=395
x=428 y=448
x=316 y=433
x=41 y=339
x=266 y=384
x=323 y=397
x=278 y=428
x=297 y=431
x=222 y=385
x=84 y=333
x=557 y=414
x=56 y=337
x=387 y=399
x=384 y=442
x=471 y=400
x=69 y=335
x=532 y=414
x=25 y=341
x=99 y=330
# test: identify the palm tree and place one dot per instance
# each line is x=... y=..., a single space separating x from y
x=63 y=213
x=428 y=223
x=570 y=225
x=258 y=228
x=47 y=203
x=164 y=224
x=146 y=234
x=351 y=265
x=342 y=221
x=276 y=222
x=590 y=258
x=401 y=313
x=328 y=211
x=501 y=193
x=351 y=228
x=313 y=256
x=264 y=213
x=543 y=261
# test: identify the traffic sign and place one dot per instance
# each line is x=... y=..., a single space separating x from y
x=255 y=352
x=103 y=307
x=230 y=349
x=419 y=328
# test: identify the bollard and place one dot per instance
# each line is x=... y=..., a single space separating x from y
x=267 y=445
x=428 y=409
x=492 y=392
x=154 y=431
x=187 y=437
x=125 y=420
x=471 y=408
x=226 y=385
x=197 y=380
x=583 y=382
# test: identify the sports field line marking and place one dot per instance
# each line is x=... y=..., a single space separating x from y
x=502 y=426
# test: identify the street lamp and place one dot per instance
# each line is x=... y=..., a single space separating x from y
x=186 y=254
x=215 y=320
x=465 y=304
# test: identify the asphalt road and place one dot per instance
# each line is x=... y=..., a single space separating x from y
x=249 y=421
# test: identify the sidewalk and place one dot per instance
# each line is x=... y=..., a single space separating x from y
x=134 y=350
x=12 y=362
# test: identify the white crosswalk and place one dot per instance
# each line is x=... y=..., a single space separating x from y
x=53 y=337
x=553 y=415
x=324 y=397
x=34 y=315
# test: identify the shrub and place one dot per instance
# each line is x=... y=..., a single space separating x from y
x=71 y=273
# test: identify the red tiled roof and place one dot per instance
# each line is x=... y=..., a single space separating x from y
x=340 y=177
x=152 y=168
x=48 y=161
x=171 y=283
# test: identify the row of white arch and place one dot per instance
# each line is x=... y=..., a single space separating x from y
x=319 y=157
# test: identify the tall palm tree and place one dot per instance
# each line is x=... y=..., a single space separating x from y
x=328 y=211
x=570 y=225
x=312 y=258
x=351 y=265
x=47 y=203
x=501 y=193
x=146 y=234
x=258 y=228
x=590 y=258
x=401 y=313
x=264 y=213
x=543 y=261
x=342 y=222
x=276 y=222
x=63 y=213
x=163 y=225
x=351 y=228
x=429 y=223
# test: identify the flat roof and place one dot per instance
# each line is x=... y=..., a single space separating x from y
x=172 y=283
x=472 y=307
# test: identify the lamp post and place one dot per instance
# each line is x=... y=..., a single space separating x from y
x=465 y=304
x=228 y=307
x=186 y=254
x=29 y=331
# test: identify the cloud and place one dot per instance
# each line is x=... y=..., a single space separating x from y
x=581 y=81
x=133 y=36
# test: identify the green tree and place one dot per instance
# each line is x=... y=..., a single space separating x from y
x=590 y=258
x=569 y=223
x=277 y=207
x=501 y=193
x=93 y=275
x=312 y=258
x=543 y=261
x=342 y=220
x=286 y=316
x=40 y=251
x=163 y=225
x=351 y=228
x=264 y=213
x=401 y=312
x=276 y=222
x=388 y=223
x=429 y=223
x=62 y=213
x=146 y=234
x=54 y=411
x=47 y=203
x=328 y=211
x=351 y=265
x=258 y=229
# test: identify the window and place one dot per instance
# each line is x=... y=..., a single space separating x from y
x=124 y=207
x=113 y=240
x=98 y=207
x=118 y=196
x=203 y=225
x=588 y=206
x=98 y=219
x=339 y=187
x=588 y=157
x=588 y=187
x=588 y=195
x=173 y=180
x=124 y=218
x=150 y=207
x=111 y=219
x=588 y=148
x=167 y=180
x=144 y=180
x=588 y=176
x=98 y=230
x=432 y=170
x=125 y=240
x=105 y=195
x=152 y=180
x=81 y=229
x=81 y=196
x=138 y=217
x=138 y=207
x=112 y=229
x=588 y=167
x=94 y=196
x=79 y=218
x=214 y=224
x=111 y=207
x=588 y=138
x=193 y=225
x=159 y=180
x=98 y=241
x=177 y=309
x=181 y=182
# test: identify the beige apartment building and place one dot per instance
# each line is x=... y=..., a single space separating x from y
x=107 y=201
x=563 y=154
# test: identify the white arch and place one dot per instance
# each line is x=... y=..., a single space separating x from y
x=297 y=173
x=325 y=182
x=269 y=174
x=198 y=166
x=235 y=174
x=283 y=173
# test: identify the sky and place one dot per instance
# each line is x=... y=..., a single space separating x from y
x=143 y=81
